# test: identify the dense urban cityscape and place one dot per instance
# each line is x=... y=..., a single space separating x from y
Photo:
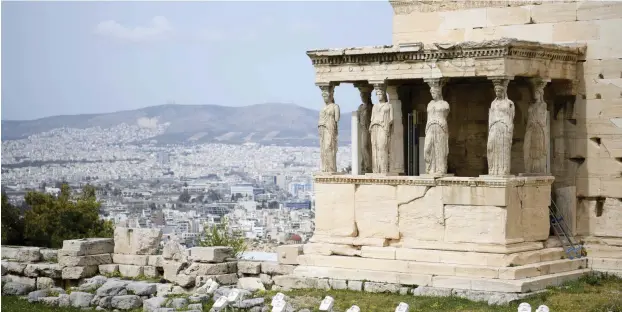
x=265 y=192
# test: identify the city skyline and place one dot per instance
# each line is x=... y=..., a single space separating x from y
x=99 y=57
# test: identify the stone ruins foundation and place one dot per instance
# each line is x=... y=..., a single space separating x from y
x=486 y=112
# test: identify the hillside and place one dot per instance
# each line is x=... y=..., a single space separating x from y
x=270 y=123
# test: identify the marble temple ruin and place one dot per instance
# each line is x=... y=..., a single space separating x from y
x=486 y=112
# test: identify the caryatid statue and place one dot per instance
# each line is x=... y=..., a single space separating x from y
x=500 y=130
x=364 y=118
x=436 y=146
x=380 y=131
x=534 y=148
x=327 y=128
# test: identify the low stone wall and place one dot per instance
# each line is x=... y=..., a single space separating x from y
x=126 y=273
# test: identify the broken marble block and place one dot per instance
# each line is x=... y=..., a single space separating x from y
x=210 y=254
x=288 y=254
x=72 y=273
x=136 y=241
x=87 y=246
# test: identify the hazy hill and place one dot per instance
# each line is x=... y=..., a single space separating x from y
x=271 y=123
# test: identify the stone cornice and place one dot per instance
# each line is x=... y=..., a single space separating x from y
x=502 y=48
x=401 y=7
x=423 y=181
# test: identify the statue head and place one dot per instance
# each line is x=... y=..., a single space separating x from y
x=327 y=94
x=500 y=92
x=381 y=93
x=436 y=93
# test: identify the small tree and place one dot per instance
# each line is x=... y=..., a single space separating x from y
x=221 y=234
x=184 y=197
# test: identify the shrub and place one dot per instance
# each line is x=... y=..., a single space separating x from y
x=221 y=234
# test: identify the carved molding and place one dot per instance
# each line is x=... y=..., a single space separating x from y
x=501 y=48
x=401 y=7
x=448 y=181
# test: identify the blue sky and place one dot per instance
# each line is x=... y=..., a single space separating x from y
x=92 y=57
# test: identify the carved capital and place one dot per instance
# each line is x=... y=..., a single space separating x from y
x=328 y=91
x=501 y=80
x=539 y=83
x=436 y=82
x=364 y=86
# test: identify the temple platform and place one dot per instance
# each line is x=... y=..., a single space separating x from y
x=473 y=234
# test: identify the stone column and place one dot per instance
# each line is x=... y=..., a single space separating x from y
x=436 y=145
x=380 y=130
x=535 y=147
x=500 y=129
x=328 y=129
x=355 y=150
x=396 y=162
x=364 y=118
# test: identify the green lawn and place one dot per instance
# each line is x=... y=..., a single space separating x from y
x=590 y=294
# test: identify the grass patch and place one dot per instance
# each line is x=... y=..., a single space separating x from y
x=591 y=293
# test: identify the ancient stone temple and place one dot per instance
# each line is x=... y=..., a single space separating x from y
x=487 y=111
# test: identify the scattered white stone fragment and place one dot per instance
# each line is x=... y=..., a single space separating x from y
x=220 y=303
x=524 y=307
x=233 y=295
x=402 y=307
x=542 y=308
x=278 y=305
x=277 y=297
x=327 y=304
x=354 y=308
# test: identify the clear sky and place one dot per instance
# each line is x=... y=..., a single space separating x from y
x=92 y=57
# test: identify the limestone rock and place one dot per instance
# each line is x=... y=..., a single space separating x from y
x=16 y=289
x=87 y=246
x=51 y=301
x=130 y=259
x=266 y=279
x=381 y=287
x=111 y=288
x=250 y=284
x=12 y=267
x=49 y=255
x=163 y=290
x=178 y=303
x=70 y=273
x=151 y=304
x=80 y=299
x=195 y=307
x=36 y=295
x=288 y=254
x=52 y=270
x=74 y=261
x=273 y=268
x=105 y=302
x=171 y=269
x=210 y=254
x=209 y=287
x=142 y=288
x=127 y=302
x=108 y=268
x=338 y=284
x=136 y=241
x=64 y=300
x=184 y=280
x=294 y=282
x=93 y=283
x=173 y=250
x=129 y=270
x=20 y=279
x=196 y=269
x=226 y=279
x=155 y=260
x=432 y=291
x=249 y=267
x=28 y=254
x=45 y=283
x=355 y=285
x=249 y=303
x=199 y=298
x=150 y=271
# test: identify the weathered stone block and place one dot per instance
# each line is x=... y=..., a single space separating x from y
x=108 y=268
x=575 y=31
x=225 y=279
x=49 y=255
x=508 y=16
x=156 y=261
x=136 y=241
x=598 y=10
x=28 y=254
x=87 y=246
x=13 y=267
x=196 y=269
x=421 y=213
x=171 y=269
x=378 y=252
x=20 y=280
x=45 y=283
x=381 y=287
x=334 y=212
x=288 y=254
x=129 y=270
x=371 y=221
x=554 y=12
x=74 y=261
x=52 y=270
x=130 y=259
x=184 y=280
x=249 y=267
x=210 y=254
x=250 y=284
x=295 y=282
x=338 y=284
x=274 y=268
x=72 y=273
x=151 y=271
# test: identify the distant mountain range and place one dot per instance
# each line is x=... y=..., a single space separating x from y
x=270 y=123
